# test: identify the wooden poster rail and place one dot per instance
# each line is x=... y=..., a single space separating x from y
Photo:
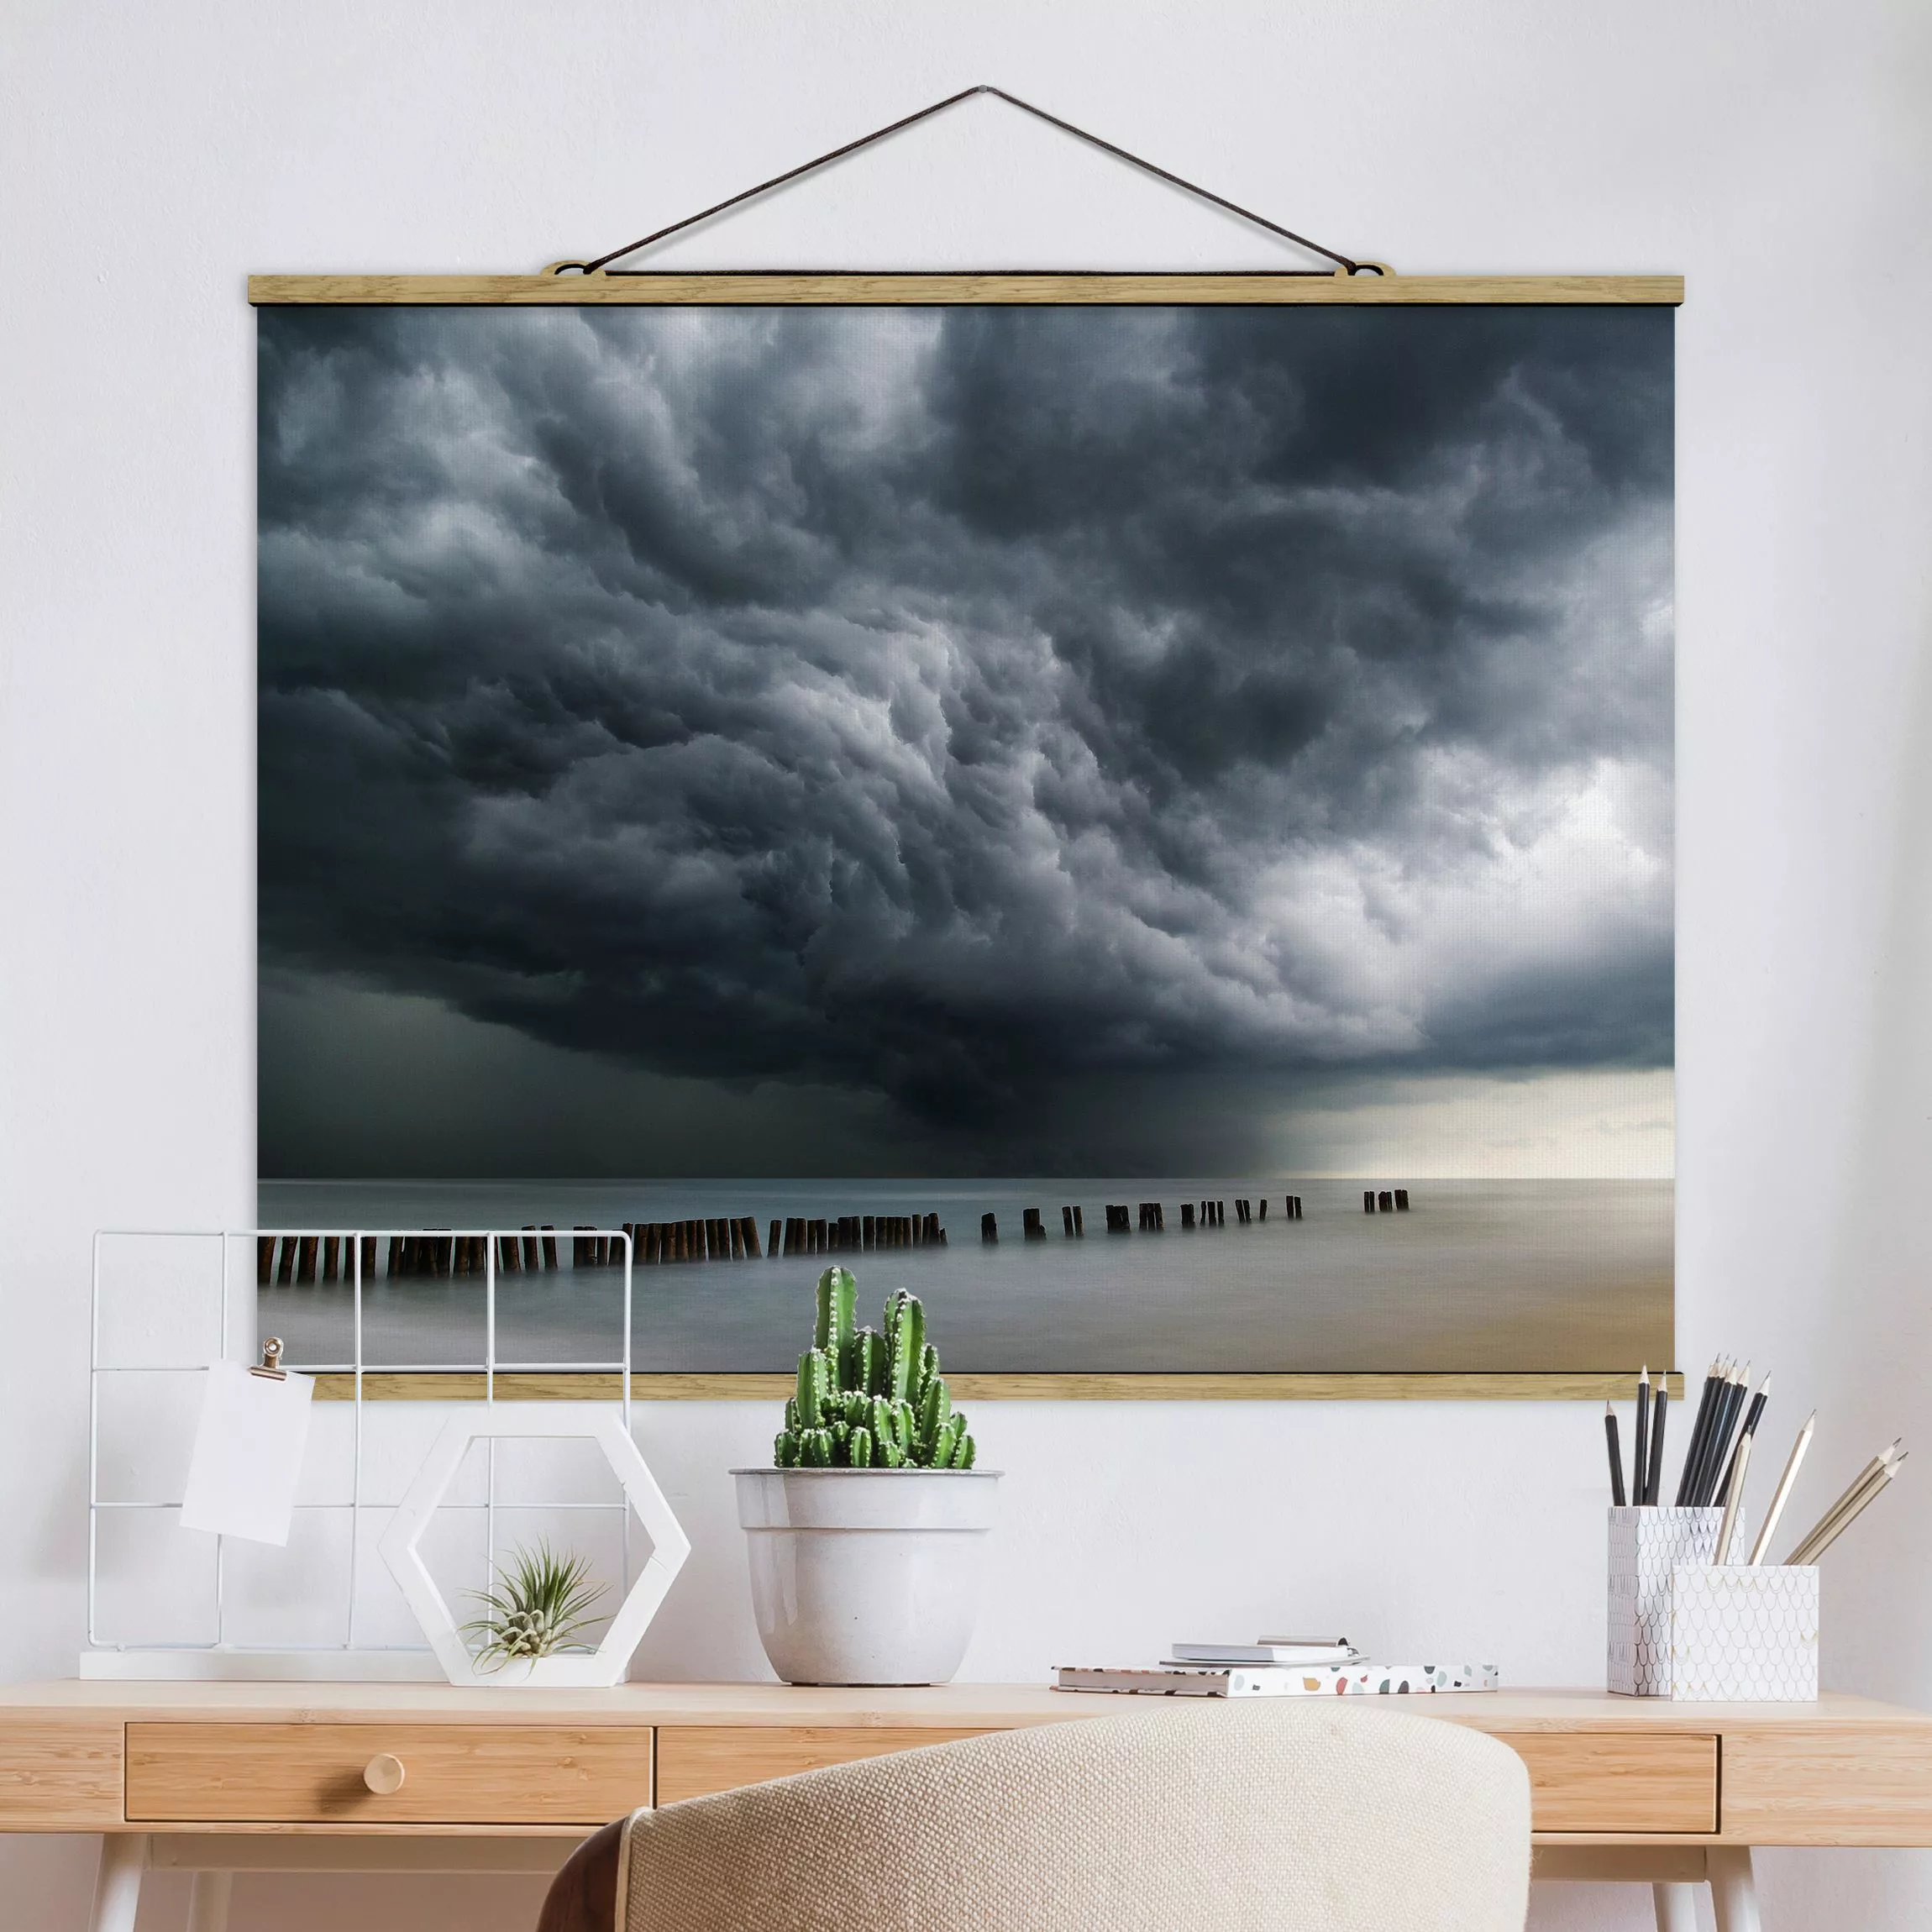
x=581 y=290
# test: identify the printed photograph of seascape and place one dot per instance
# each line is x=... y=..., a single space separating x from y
x=771 y=767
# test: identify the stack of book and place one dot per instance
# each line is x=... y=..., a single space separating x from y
x=1277 y=1666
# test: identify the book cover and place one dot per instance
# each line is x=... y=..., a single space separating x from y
x=1363 y=1679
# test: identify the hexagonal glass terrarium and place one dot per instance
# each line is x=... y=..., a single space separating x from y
x=401 y=1550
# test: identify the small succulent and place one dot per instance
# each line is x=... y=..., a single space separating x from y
x=540 y=1601
x=870 y=1397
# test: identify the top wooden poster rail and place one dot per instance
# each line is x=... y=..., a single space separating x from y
x=572 y=290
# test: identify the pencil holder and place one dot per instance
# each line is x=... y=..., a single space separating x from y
x=1742 y=1633
x=1646 y=1548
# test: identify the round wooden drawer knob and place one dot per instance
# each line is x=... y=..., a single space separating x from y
x=383 y=1774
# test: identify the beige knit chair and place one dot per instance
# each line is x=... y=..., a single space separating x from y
x=1290 y=1817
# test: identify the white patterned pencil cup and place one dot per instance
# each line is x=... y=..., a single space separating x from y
x=1747 y=1634
x=1646 y=1546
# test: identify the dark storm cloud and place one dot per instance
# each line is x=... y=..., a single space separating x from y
x=949 y=704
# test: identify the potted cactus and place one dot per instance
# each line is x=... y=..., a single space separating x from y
x=865 y=1534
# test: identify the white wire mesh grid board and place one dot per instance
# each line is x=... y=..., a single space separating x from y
x=163 y=1601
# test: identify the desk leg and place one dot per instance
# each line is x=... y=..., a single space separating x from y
x=1675 y=1908
x=1733 y=1891
x=117 y=1883
x=208 y=1903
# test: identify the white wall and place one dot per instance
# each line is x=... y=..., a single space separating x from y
x=1778 y=155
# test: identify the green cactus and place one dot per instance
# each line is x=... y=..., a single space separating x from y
x=863 y=1363
x=905 y=1335
x=817 y=1380
x=838 y=1296
x=870 y=1397
x=935 y=1406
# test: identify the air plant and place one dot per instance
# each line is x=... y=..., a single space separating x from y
x=540 y=1601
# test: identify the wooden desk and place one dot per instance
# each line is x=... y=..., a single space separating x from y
x=216 y=1778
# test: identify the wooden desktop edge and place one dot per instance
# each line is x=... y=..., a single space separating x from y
x=523 y=1385
x=994 y=1705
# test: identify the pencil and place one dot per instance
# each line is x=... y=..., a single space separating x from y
x=1653 y=1481
x=1729 y=1402
x=1782 y=1494
x=1841 y=1512
x=1729 y=1528
x=1640 y=1450
x=1876 y=1472
x=1699 y=1429
x=1617 y=1497
x=1866 y=1497
x=1751 y=1418
x=1873 y=1469
x=1694 y=1458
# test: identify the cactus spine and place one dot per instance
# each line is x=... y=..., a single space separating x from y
x=870 y=1399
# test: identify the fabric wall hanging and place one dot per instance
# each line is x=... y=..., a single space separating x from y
x=1139 y=807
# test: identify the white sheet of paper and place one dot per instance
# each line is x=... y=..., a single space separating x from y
x=248 y=1454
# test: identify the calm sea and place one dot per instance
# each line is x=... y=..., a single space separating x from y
x=1497 y=1275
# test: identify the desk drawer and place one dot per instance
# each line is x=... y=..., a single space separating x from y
x=452 y=1773
x=696 y=1759
x=1600 y=1782
x=1619 y=1781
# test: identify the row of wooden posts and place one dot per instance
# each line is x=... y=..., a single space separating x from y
x=300 y=1258
x=308 y=1257
x=303 y=1258
x=737 y=1238
x=1152 y=1217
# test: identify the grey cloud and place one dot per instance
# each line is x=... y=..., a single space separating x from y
x=959 y=705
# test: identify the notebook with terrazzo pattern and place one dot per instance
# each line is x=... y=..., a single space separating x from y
x=1362 y=1679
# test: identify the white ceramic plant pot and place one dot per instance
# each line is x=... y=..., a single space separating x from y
x=865 y=1576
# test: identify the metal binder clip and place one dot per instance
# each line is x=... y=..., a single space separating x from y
x=271 y=1369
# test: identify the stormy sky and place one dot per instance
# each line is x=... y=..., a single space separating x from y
x=962 y=742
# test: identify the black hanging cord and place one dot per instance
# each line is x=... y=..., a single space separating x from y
x=602 y=263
